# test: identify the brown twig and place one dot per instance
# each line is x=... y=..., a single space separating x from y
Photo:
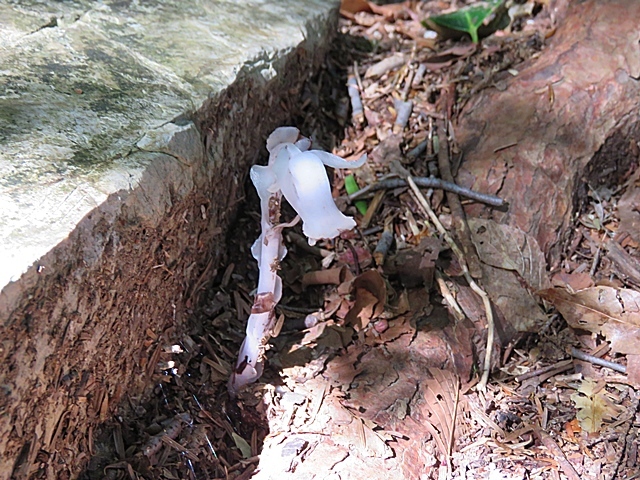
x=458 y=217
x=557 y=453
x=429 y=182
x=597 y=361
x=556 y=368
x=424 y=203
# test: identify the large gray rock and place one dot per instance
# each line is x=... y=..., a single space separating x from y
x=126 y=132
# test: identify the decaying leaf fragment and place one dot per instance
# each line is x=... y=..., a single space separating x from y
x=509 y=248
x=629 y=212
x=442 y=394
x=371 y=295
x=594 y=405
x=612 y=312
x=513 y=266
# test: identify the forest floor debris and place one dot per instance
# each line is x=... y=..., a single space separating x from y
x=374 y=373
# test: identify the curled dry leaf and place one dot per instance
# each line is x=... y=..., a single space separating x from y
x=612 y=312
x=370 y=293
x=332 y=276
x=594 y=405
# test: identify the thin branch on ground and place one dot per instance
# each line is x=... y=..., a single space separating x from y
x=458 y=217
x=424 y=203
x=597 y=361
x=430 y=182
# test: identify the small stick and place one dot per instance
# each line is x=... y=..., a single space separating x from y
x=408 y=83
x=417 y=78
x=356 y=73
x=454 y=414
x=560 y=366
x=373 y=208
x=430 y=182
x=459 y=219
x=403 y=112
x=417 y=150
x=448 y=296
x=424 y=203
x=596 y=258
x=384 y=244
x=597 y=361
x=557 y=453
x=357 y=111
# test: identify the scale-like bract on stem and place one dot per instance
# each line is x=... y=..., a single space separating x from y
x=299 y=174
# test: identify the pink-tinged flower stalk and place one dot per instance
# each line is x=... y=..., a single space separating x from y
x=299 y=174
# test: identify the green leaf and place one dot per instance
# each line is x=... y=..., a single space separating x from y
x=351 y=186
x=242 y=445
x=478 y=20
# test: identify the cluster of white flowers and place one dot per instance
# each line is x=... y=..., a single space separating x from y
x=299 y=174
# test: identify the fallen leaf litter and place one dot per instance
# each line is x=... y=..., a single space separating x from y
x=370 y=376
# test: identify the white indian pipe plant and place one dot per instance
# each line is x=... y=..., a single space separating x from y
x=299 y=174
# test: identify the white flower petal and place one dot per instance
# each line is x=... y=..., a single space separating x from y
x=334 y=161
x=303 y=144
x=283 y=175
x=310 y=195
x=282 y=135
x=263 y=179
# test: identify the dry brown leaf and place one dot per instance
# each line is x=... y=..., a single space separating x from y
x=362 y=258
x=594 y=405
x=367 y=441
x=416 y=266
x=503 y=250
x=370 y=292
x=396 y=327
x=509 y=248
x=633 y=370
x=441 y=389
x=341 y=371
x=629 y=212
x=612 y=312
x=577 y=281
x=313 y=333
x=349 y=8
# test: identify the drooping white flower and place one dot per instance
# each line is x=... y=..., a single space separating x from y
x=299 y=175
x=302 y=178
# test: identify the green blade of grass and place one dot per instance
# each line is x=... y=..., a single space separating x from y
x=351 y=186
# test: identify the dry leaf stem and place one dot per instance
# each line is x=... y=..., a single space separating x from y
x=424 y=203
